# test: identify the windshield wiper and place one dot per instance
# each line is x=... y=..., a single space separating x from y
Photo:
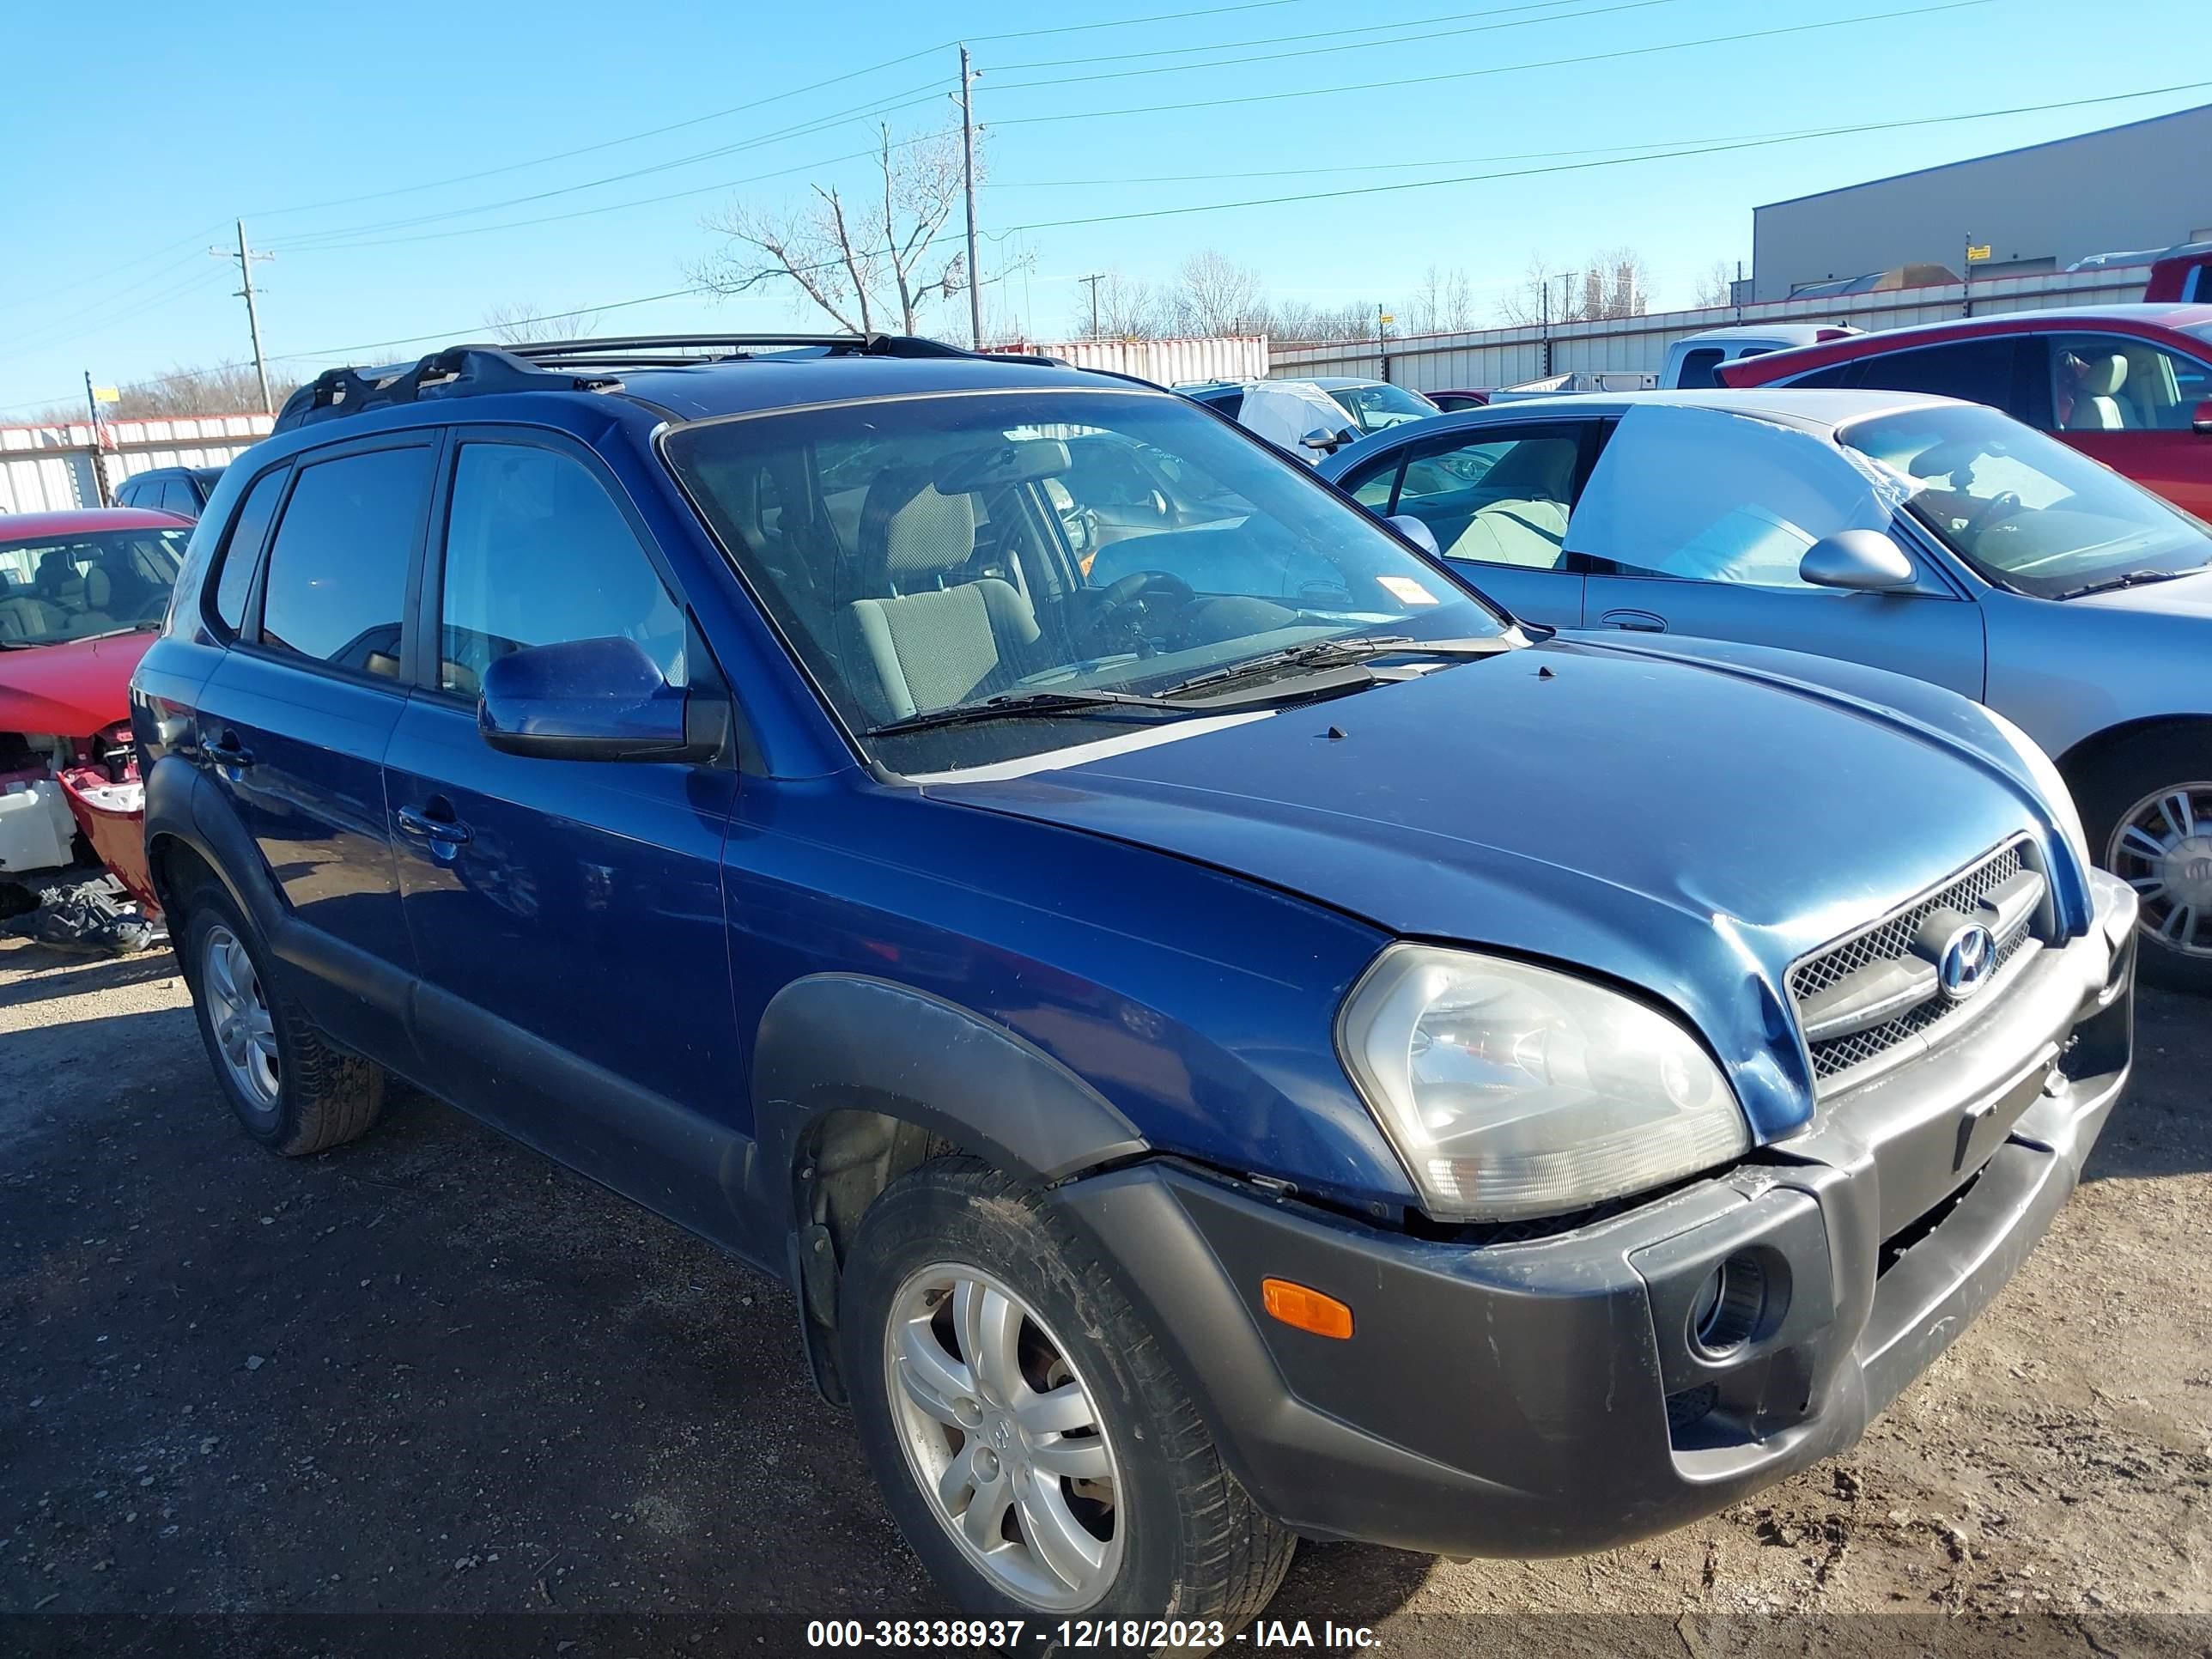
x=2127 y=579
x=1329 y=653
x=1016 y=705
x=118 y=633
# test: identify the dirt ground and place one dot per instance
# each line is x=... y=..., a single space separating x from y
x=431 y=1374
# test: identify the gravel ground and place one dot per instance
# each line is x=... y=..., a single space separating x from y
x=433 y=1374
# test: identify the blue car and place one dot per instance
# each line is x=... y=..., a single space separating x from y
x=1225 y=1034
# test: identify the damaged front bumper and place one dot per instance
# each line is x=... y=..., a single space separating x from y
x=1578 y=1391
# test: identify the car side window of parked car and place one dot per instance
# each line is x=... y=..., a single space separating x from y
x=537 y=553
x=1489 y=495
x=241 y=553
x=177 y=497
x=2118 y=383
x=337 y=586
x=1978 y=371
x=1700 y=368
x=1706 y=496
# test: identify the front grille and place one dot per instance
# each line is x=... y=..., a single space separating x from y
x=1890 y=941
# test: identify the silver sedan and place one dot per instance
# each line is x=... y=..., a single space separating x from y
x=1934 y=539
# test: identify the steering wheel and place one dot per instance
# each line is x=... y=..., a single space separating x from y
x=2001 y=506
x=1119 y=608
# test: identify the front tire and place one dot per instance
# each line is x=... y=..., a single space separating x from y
x=288 y=1087
x=1033 y=1444
x=2147 y=806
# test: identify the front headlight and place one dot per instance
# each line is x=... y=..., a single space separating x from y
x=2043 y=772
x=1511 y=1091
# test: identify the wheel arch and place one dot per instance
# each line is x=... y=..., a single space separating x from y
x=190 y=831
x=2088 y=751
x=856 y=1079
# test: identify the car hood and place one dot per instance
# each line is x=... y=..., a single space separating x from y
x=72 y=689
x=2184 y=596
x=1688 y=827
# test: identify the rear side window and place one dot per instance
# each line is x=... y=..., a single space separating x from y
x=131 y=493
x=177 y=497
x=1698 y=368
x=537 y=553
x=234 y=578
x=1975 y=371
x=338 y=571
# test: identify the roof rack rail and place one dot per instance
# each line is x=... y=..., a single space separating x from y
x=461 y=371
x=464 y=371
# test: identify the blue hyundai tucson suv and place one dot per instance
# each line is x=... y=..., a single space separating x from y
x=1263 y=1046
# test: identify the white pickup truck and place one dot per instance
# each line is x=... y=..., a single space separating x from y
x=1695 y=361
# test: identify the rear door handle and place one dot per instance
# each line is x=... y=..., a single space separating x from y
x=1636 y=622
x=444 y=830
x=227 y=751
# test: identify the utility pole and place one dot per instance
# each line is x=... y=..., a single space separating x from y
x=1094 y=279
x=245 y=257
x=968 y=171
x=98 y=460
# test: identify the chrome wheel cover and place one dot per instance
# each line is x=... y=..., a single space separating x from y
x=2162 y=848
x=238 y=1013
x=1004 y=1438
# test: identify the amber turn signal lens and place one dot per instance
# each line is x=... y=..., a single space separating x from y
x=1307 y=1308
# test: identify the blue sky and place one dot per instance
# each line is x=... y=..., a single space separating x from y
x=145 y=129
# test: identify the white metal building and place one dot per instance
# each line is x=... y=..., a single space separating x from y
x=2147 y=184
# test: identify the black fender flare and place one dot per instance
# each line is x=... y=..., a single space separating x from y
x=181 y=806
x=833 y=1041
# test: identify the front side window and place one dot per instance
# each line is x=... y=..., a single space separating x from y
x=924 y=554
x=1494 y=497
x=336 y=583
x=2116 y=383
x=537 y=553
x=1380 y=404
x=70 y=587
x=2026 y=511
x=1706 y=495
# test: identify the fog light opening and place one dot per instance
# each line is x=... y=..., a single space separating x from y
x=1730 y=1308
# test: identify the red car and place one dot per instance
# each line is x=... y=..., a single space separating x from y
x=81 y=595
x=2129 y=385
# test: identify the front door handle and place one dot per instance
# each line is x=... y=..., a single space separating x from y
x=226 y=751
x=1636 y=622
x=441 y=829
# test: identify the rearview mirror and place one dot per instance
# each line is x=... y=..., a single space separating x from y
x=1865 y=561
x=1416 y=533
x=602 y=700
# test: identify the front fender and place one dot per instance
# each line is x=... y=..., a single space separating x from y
x=844 y=1042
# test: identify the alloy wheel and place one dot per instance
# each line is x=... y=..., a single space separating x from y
x=2162 y=848
x=238 y=1013
x=1004 y=1437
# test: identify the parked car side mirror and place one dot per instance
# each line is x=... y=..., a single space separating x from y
x=598 y=700
x=1865 y=560
x=1319 y=438
x=2200 y=423
x=1416 y=533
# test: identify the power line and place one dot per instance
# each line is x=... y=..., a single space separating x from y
x=1281 y=39
x=1341 y=46
x=801 y=129
x=1581 y=166
x=1733 y=37
x=1131 y=23
x=606 y=144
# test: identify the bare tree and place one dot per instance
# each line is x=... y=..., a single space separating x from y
x=1614 y=283
x=1716 y=285
x=1443 y=303
x=865 y=263
x=1127 y=308
x=221 y=389
x=1215 y=296
x=525 y=323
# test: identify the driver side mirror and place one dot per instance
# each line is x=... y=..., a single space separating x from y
x=2200 y=421
x=1865 y=561
x=1416 y=533
x=601 y=700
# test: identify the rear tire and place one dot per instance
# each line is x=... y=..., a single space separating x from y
x=289 y=1088
x=2147 y=806
x=1168 y=1532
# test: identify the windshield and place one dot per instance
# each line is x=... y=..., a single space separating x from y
x=2026 y=510
x=1380 y=405
x=65 y=587
x=925 y=553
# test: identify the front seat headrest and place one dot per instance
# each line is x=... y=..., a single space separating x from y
x=908 y=531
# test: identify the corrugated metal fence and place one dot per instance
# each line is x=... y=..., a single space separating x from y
x=1168 y=362
x=1509 y=356
x=43 y=469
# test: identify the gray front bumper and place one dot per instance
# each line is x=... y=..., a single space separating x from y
x=1545 y=1397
